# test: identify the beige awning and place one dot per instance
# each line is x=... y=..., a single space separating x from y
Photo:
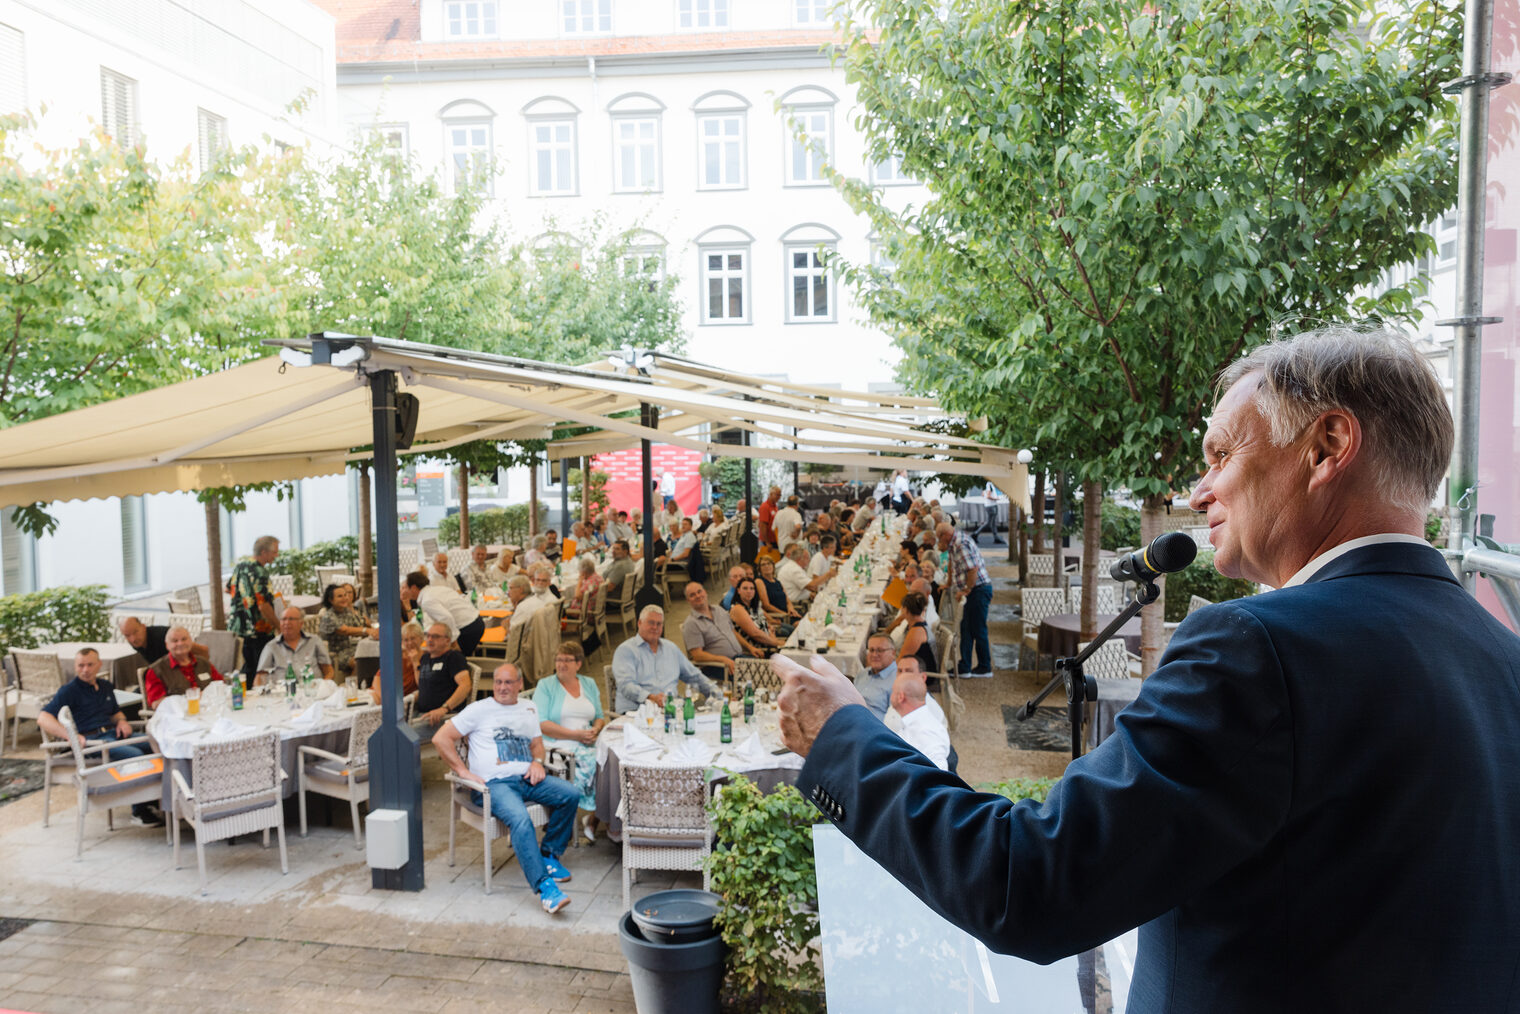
x=272 y=420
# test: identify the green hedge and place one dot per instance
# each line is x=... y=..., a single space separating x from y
x=302 y=564
x=497 y=525
x=1200 y=578
x=55 y=614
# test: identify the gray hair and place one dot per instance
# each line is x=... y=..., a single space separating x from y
x=519 y=583
x=586 y=564
x=411 y=627
x=538 y=542
x=1378 y=376
x=651 y=610
x=263 y=544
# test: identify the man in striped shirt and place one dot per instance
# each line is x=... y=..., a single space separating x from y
x=969 y=581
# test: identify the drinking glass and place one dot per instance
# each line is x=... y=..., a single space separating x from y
x=193 y=701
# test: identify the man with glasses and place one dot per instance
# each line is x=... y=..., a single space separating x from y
x=506 y=748
x=443 y=681
x=875 y=681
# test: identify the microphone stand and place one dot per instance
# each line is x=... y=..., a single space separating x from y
x=1080 y=687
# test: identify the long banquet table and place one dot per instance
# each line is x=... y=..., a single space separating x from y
x=856 y=615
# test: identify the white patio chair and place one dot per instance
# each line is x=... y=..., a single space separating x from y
x=340 y=777
x=191 y=596
x=1110 y=662
x=39 y=674
x=225 y=649
x=330 y=574
x=101 y=785
x=665 y=825
x=1038 y=603
x=464 y=810
x=236 y=791
x=194 y=623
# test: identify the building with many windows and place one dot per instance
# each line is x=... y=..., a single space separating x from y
x=698 y=128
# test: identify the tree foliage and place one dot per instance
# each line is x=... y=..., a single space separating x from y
x=1125 y=197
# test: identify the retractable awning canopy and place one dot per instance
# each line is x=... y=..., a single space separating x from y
x=279 y=418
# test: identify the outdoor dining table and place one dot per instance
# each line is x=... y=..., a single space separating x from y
x=753 y=753
x=322 y=722
x=855 y=619
x=308 y=604
x=119 y=662
x=1060 y=633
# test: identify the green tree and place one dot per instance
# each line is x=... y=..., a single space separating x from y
x=1125 y=198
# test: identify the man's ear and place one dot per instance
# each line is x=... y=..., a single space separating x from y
x=1334 y=443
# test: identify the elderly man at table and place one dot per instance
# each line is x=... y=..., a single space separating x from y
x=438 y=572
x=825 y=564
x=647 y=666
x=177 y=671
x=476 y=576
x=1248 y=796
x=735 y=575
x=541 y=579
x=864 y=515
x=968 y=580
x=506 y=748
x=874 y=681
x=252 y=616
x=709 y=635
x=788 y=524
x=443 y=604
x=916 y=724
x=293 y=648
x=444 y=684
x=619 y=568
x=98 y=719
x=794 y=577
x=149 y=640
x=524 y=603
x=620 y=528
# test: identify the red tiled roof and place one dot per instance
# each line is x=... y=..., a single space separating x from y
x=382 y=31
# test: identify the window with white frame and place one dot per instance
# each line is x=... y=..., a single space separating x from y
x=810 y=295
x=552 y=147
x=725 y=284
x=812 y=12
x=1446 y=240
x=469 y=153
x=809 y=129
x=12 y=70
x=721 y=137
x=581 y=17
x=888 y=172
x=636 y=153
x=211 y=137
x=393 y=138
x=470 y=19
x=647 y=262
x=118 y=106
x=703 y=13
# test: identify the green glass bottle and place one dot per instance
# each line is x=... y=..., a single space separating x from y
x=726 y=725
x=237 y=692
x=749 y=703
x=670 y=714
x=689 y=712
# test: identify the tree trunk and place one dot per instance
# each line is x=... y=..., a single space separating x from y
x=1092 y=534
x=464 y=506
x=532 y=499
x=1152 y=634
x=366 y=536
x=1058 y=557
x=214 y=562
x=1038 y=509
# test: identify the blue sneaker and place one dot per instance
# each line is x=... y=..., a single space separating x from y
x=556 y=869
x=550 y=896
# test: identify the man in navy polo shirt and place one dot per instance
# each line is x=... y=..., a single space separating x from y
x=97 y=719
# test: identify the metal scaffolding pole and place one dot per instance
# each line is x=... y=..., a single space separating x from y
x=1467 y=344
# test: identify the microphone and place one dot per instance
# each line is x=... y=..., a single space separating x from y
x=1166 y=553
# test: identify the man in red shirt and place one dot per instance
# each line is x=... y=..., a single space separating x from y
x=177 y=671
x=767 y=514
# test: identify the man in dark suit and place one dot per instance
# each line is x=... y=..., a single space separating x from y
x=1311 y=805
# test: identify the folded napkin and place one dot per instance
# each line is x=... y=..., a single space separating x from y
x=690 y=750
x=635 y=741
x=174 y=706
x=337 y=698
x=225 y=727
x=170 y=722
x=324 y=689
x=311 y=716
x=751 y=751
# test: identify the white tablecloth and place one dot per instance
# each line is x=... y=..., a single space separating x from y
x=177 y=733
x=856 y=618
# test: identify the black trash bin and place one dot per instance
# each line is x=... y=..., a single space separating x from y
x=672 y=978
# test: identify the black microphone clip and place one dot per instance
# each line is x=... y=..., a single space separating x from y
x=1167 y=553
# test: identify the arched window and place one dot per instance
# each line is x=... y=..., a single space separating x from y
x=809 y=282
x=721 y=143
x=468 y=145
x=636 y=162
x=552 y=164
x=808 y=118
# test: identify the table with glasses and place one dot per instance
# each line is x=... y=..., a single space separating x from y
x=756 y=752
x=855 y=618
x=319 y=716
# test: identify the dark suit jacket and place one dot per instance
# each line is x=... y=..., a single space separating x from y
x=1313 y=805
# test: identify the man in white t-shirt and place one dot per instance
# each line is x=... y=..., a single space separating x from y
x=900 y=496
x=667 y=489
x=788 y=523
x=824 y=563
x=506 y=761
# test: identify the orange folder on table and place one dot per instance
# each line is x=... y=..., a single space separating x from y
x=567 y=550
x=893 y=595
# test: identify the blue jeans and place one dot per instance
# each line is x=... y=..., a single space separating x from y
x=117 y=753
x=509 y=804
x=974 y=630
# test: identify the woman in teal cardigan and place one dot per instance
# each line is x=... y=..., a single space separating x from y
x=570 y=716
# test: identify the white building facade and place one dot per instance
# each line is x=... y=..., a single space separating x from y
x=176 y=78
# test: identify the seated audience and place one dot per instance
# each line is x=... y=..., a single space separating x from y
x=177 y=671
x=749 y=620
x=917 y=641
x=342 y=626
x=648 y=667
x=293 y=647
x=570 y=715
x=444 y=683
x=411 y=655
x=709 y=635
x=149 y=641
x=441 y=604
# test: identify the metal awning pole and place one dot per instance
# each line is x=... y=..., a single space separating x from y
x=1467 y=343
x=395 y=752
x=649 y=595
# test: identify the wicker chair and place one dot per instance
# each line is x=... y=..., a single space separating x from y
x=225 y=648
x=191 y=596
x=1038 y=604
x=194 y=623
x=664 y=820
x=610 y=701
x=1040 y=573
x=946 y=640
x=282 y=584
x=336 y=777
x=623 y=603
x=463 y=809
x=757 y=671
x=428 y=547
x=1108 y=599
x=39 y=674
x=329 y=574
x=1110 y=662
x=237 y=791
x=101 y=785
x=407 y=559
